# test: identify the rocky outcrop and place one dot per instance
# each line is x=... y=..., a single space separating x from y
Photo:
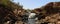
x=51 y=11
x=9 y=11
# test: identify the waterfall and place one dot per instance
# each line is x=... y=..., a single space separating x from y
x=31 y=18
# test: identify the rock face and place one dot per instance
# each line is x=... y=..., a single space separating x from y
x=51 y=13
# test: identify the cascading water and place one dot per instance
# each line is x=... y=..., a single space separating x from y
x=31 y=18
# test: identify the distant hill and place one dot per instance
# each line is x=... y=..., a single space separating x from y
x=50 y=8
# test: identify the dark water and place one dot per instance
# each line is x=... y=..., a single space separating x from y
x=31 y=21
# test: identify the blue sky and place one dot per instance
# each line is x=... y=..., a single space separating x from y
x=31 y=4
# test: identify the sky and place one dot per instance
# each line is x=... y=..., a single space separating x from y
x=32 y=4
